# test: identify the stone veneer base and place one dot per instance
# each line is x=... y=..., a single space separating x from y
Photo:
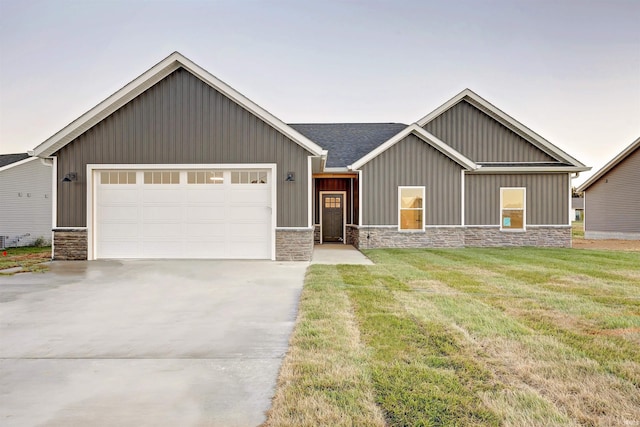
x=458 y=237
x=291 y=244
x=294 y=244
x=70 y=244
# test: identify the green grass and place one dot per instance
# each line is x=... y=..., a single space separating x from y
x=464 y=337
x=577 y=229
x=29 y=258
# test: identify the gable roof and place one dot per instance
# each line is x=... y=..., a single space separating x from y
x=147 y=80
x=7 y=159
x=507 y=121
x=423 y=135
x=612 y=164
x=347 y=142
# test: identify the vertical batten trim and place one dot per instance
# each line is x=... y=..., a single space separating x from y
x=309 y=192
x=462 y=197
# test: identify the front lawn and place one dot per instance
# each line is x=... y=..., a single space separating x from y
x=28 y=258
x=466 y=337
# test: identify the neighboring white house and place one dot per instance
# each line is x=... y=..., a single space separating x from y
x=25 y=200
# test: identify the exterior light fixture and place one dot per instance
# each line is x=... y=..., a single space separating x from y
x=70 y=177
x=291 y=177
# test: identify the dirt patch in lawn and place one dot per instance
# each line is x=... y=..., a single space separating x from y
x=614 y=245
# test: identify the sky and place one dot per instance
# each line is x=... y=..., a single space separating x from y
x=568 y=69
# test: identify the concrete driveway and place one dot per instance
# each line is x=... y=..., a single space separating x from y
x=145 y=343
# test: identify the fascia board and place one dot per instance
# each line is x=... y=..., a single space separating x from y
x=18 y=163
x=526 y=169
x=444 y=107
x=426 y=137
x=144 y=82
x=506 y=120
x=610 y=165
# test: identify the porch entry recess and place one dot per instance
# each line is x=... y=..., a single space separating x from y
x=332 y=217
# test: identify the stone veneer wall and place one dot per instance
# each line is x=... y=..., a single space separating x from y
x=378 y=237
x=294 y=244
x=70 y=244
x=353 y=236
x=316 y=234
x=549 y=237
x=457 y=237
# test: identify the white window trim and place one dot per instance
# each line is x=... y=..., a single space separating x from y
x=414 y=230
x=524 y=211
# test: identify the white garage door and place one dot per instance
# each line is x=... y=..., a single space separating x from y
x=183 y=214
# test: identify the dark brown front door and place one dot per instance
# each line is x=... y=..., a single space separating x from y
x=332 y=218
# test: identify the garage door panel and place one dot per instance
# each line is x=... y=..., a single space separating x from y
x=253 y=213
x=120 y=231
x=109 y=249
x=118 y=213
x=162 y=229
x=164 y=248
x=205 y=213
x=212 y=194
x=248 y=229
x=184 y=220
x=160 y=212
x=163 y=194
x=204 y=230
x=250 y=194
x=118 y=194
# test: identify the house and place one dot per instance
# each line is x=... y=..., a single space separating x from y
x=577 y=208
x=177 y=164
x=25 y=200
x=612 y=198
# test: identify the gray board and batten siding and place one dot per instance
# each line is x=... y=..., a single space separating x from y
x=411 y=162
x=183 y=120
x=612 y=203
x=547 y=200
x=481 y=138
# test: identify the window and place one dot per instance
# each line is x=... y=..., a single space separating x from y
x=117 y=177
x=411 y=206
x=249 y=177
x=162 y=177
x=512 y=208
x=205 y=177
x=332 y=202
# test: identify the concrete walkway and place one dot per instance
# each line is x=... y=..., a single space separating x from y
x=337 y=253
x=145 y=343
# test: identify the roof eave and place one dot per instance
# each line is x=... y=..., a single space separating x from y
x=610 y=165
x=526 y=169
x=147 y=80
x=426 y=137
x=18 y=163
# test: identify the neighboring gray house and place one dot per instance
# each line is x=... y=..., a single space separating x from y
x=25 y=200
x=577 y=208
x=612 y=198
x=179 y=164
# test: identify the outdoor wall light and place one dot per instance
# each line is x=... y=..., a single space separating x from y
x=70 y=177
x=291 y=177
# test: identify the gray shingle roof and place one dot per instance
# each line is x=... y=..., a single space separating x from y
x=348 y=142
x=7 y=159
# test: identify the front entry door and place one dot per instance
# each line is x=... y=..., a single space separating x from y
x=332 y=218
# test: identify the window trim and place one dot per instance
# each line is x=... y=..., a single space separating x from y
x=524 y=210
x=411 y=230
